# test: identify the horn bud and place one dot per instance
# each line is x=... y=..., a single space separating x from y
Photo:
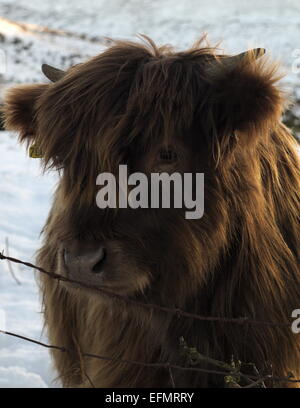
x=229 y=63
x=54 y=74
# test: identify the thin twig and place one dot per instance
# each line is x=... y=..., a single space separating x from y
x=39 y=343
x=89 y=379
x=195 y=357
x=81 y=361
x=171 y=377
x=260 y=381
x=9 y=263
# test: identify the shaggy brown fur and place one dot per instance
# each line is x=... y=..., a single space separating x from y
x=240 y=259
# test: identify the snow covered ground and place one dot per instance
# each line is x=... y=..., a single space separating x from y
x=239 y=24
x=24 y=201
x=66 y=32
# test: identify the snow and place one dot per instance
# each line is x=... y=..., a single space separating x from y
x=25 y=199
x=63 y=33
x=241 y=24
x=12 y=377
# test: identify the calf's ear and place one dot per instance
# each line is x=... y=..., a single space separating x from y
x=19 y=109
x=245 y=96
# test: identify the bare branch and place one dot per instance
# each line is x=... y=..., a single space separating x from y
x=9 y=263
x=171 y=377
x=39 y=343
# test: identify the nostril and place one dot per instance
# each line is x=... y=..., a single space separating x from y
x=98 y=266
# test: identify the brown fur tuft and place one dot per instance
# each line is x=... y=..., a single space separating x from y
x=246 y=98
x=19 y=108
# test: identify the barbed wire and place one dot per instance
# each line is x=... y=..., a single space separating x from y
x=251 y=380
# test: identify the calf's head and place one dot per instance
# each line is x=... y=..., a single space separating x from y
x=155 y=110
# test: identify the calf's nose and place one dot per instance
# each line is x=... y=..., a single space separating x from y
x=89 y=261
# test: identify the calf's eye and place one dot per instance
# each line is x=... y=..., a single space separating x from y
x=168 y=155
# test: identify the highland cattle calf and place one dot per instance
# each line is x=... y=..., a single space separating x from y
x=159 y=110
